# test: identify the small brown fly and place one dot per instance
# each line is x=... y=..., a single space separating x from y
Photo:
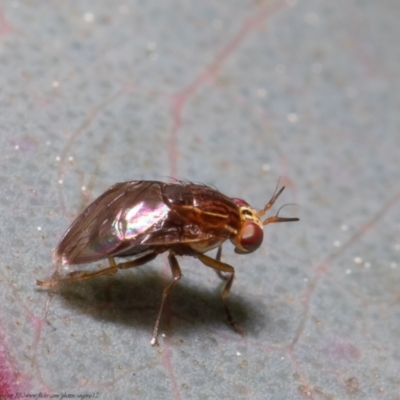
x=146 y=218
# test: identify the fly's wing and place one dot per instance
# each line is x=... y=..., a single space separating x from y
x=118 y=220
x=134 y=217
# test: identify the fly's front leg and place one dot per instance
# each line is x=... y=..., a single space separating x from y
x=84 y=275
x=227 y=271
x=221 y=275
x=176 y=276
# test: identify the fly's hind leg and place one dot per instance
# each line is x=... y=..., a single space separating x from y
x=227 y=272
x=84 y=275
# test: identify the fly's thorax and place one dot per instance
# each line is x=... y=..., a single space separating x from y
x=249 y=236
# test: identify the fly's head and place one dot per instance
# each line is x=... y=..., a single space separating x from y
x=250 y=233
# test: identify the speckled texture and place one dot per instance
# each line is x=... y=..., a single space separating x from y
x=234 y=94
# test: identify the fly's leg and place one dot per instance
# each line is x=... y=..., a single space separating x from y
x=84 y=275
x=221 y=275
x=219 y=254
x=229 y=271
x=176 y=276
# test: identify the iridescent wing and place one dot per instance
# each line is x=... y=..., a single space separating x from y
x=132 y=216
x=113 y=222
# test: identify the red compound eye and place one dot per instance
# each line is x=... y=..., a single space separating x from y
x=251 y=236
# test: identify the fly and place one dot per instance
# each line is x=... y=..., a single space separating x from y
x=143 y=219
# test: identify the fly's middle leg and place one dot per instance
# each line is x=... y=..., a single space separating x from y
x=228 y=273
x=176 y=276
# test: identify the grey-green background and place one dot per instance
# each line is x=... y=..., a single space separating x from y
x=230 y=93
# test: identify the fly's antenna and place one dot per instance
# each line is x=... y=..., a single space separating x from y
x=274 y=197
x=277 y=218
x=285 y=205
